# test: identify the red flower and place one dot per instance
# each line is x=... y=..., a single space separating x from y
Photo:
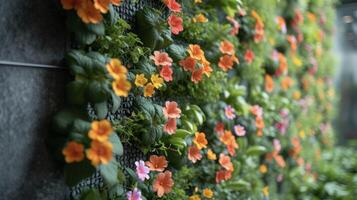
x=223 y=175
x=175 y=23
x=197 y=75
x=166 y=73
x=188 y=64
x=194 y=154
x=219 y=128
x=161 y=58
x=249 y=56
x=171 y=110
x=173 y=5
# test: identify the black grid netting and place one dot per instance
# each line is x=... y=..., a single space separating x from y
x=131 y=153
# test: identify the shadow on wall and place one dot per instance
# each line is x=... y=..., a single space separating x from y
x=346 y=49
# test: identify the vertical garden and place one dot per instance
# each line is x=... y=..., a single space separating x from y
x=201 y=99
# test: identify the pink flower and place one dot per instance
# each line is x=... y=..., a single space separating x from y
x=166 y=73
x=257 y=111
x=173 y=5
x=171 y=110
x=239 y=130
x=170 y=126
x=134 y=195
x=229 y=111
x=141 y=170
x=161 y=59
x=175 y=23
x=277 y=145
x=235 y=24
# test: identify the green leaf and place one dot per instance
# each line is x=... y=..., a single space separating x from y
x=76 y=172
x=176 y=52
x=110 y=172
x=96 y=92
x=76 y=92
x=101 y=109
x=92 y=194
x=117 y=145
x=237 y=185
x=63 y=120
x=116 y=101
x=256 y=150
x=81 y=126
x=181 y=133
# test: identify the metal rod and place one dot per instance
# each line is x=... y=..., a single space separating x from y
x=35 y=65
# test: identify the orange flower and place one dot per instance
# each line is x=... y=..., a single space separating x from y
x=259 y=123
x=227 y=137
x=157 y=163
x=286 y=83
x=196 y=52
x=197 y=75
x=259 y=132
x=170 y=126
x=173 y=5
x=149 y=90
x=269 y=83
x=116 y=2
x=259 y=32
x=175 y=24
x=166 y=73
x=100 y=152
x=116 y=69
x=102 y=5
x=225 y=162
x=171 y=110
x=280 y=161
x=100 y=130
x=161 y=59
x=121 y=87
x=223 y=175
x=194 y=154
x=163 y=183
x=231 y=147
x=283 y=65
x=200 y=18
x=249 y=56
x=188 y=64
x=200 y=140
x=211 y=155
x=88 y=13
x=226 y=47
x=207 y=69
x=208 y=193
x=225 y=63
x=73 y=152
x=70 y=4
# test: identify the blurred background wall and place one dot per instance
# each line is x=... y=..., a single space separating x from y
x=346 y=76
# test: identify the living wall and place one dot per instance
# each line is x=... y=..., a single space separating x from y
x=226 y=99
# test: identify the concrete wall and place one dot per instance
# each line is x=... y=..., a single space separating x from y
x=32 y=32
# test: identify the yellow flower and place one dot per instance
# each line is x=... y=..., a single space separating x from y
x=198 y=1
x=157 y=81
x=140 y=80
x=116 y=69
x=100 y=152
x=200 y=18
x=194 y=197
x=208 y=193
x=297 y=95
x=149 y=90
x=100 y=130
x=211 y=155
x=121 y=87
x=263 y=169
x=297 y=61
x=302 y=134
x=266 y=191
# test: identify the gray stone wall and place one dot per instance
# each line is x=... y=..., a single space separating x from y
x=31 y=32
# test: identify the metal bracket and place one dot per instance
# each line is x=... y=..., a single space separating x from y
x=34 y=65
